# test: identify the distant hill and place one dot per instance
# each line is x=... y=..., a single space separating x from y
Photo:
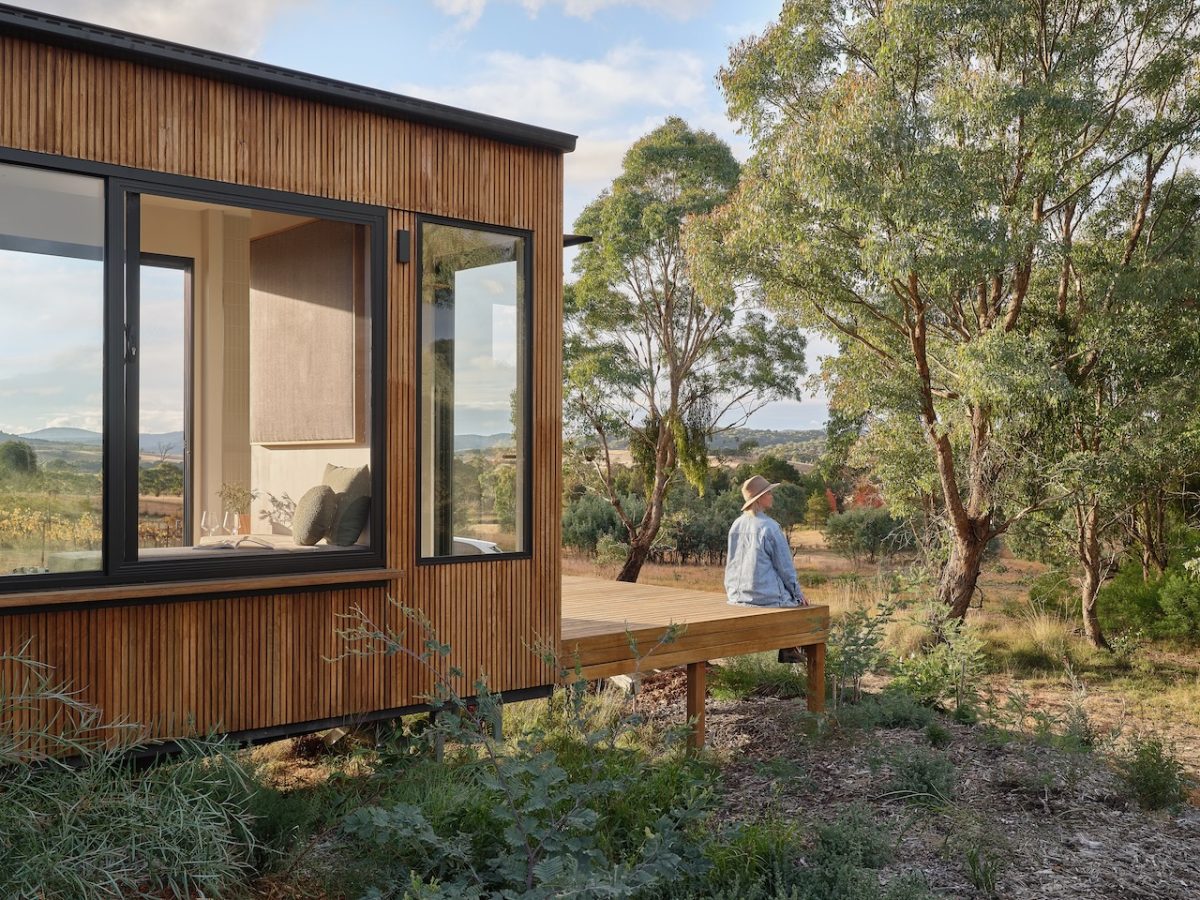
x=764 y=438
x=481 y=441
x=147 y=443
x=64 y=436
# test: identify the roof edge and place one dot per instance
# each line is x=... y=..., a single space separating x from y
x=102 y=41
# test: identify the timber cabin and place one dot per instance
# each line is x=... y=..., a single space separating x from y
x=250 y=319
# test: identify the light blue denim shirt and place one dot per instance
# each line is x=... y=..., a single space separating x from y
x=759 y=569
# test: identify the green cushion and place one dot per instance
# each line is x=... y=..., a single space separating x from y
x=353 y=481
x=314 y=515
x=349 y=521
x=353 y=488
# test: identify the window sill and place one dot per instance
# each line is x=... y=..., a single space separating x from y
x=198 y=588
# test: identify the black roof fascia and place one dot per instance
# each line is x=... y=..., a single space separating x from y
x=96 y=39
x=574 y=240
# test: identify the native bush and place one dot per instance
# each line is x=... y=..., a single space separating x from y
x=569 y=806
x=1179 y=597
x=1151 y=773
x=865 y=532
x=921 y=776
x=589 y=517
x=855 y=647
x=949 y=670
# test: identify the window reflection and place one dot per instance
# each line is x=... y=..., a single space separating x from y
x=473 y=386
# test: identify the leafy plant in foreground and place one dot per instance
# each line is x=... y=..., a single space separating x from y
x=546 y=835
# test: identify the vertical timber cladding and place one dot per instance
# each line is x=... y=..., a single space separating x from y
x=249 y=662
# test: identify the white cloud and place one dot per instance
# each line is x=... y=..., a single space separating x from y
x=230 y=26
x=573 y=94
x=468 y=12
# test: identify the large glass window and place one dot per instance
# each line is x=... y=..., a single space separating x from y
x=474 y=391
x=253 y=330
x=186 y=381
x=51 y=371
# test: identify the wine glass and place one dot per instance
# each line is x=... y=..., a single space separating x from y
x=208 y=523
x=231 y=523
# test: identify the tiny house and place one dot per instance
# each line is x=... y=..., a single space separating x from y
x=273 y=348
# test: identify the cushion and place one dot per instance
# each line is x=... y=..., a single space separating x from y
x=349 y=520
x=353 y=481
x=353 y=488
x=314 y=515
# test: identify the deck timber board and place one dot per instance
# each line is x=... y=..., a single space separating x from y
x=599 y=617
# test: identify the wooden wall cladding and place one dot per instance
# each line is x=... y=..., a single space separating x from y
x=251 y=662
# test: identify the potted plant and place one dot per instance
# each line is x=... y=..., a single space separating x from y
x=236 y=498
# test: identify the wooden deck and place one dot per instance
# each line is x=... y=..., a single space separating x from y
x=600 y=616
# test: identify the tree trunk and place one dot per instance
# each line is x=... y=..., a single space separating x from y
x=961 y=572
x=1090 y=560
x=638 y=553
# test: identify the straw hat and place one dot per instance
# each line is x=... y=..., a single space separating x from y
x=754 y=487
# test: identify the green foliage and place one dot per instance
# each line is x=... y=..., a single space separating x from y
x=948 y=671
x=1179 y=597
x=18 y=458
x=865 y=532
x=756 y=675
x=102 y=828
x=1152 y=774
x=163 y=478
x=855 y=647
x=816 y=510
x=697 y=527
x=568 y=806
x=938 y=735
x=586 y=519
x=921 y=776
x=891 y=709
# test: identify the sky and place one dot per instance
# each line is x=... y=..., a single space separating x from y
x=606 y=70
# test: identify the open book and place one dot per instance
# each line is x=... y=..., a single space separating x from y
x=234 y=543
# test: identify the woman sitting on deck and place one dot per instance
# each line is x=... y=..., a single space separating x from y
x=759 y=569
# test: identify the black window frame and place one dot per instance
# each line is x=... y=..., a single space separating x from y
x=527 y=495
x=119 y=552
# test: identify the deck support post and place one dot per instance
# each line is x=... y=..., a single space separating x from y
x=696 y=689
x=814 y=657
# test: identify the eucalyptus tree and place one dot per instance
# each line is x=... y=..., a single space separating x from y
x=1121 y=444
x=648 y=364
x=921 y=173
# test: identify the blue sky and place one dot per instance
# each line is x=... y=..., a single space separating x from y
x=606 y=70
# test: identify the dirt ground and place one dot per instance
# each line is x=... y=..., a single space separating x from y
x=1052 y=824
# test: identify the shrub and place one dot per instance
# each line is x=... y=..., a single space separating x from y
x=1152 y=774
x=938 y=735
x=1179 y=597
x=855 y=647
x=865 y=531
x=897 y=708
x=589 y=517
x=1130 y=603
x=566 y=806
x=949 y=670
x=756 y=675
x=921 y=776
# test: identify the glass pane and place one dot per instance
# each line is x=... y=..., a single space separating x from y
x=51 y=371
x=473 y=376
x=254 y=404
x=164 y=354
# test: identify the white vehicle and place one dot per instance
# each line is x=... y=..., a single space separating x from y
x=472 y=547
